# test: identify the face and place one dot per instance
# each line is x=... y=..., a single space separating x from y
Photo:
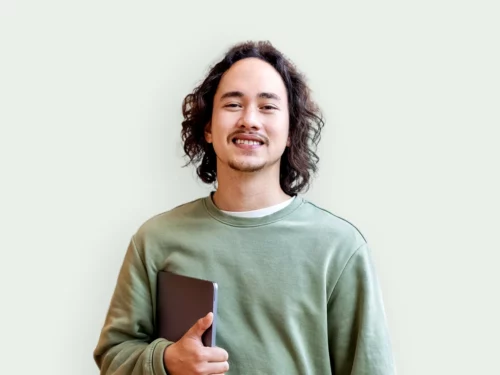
x=250 y=119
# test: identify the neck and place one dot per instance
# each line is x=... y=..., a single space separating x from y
x=239 y=191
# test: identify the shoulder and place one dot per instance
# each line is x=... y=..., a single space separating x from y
x=170 y=220
x=329 y=224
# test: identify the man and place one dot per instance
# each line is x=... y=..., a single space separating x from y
x=298 y=293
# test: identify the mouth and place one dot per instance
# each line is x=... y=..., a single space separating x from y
x=248 y=141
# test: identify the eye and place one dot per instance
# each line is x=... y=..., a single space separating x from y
x=232 y=105
x=269 y=108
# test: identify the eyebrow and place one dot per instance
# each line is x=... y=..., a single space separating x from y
x=239 y=94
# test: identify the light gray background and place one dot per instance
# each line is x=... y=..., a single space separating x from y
x=90 y=96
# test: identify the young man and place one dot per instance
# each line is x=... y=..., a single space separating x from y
x=298 y=292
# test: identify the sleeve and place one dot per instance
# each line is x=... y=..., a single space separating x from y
x=357 y=328
x=126 y=344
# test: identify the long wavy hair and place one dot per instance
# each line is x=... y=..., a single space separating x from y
x=299 y=162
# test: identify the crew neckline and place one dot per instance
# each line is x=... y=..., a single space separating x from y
x=261 y=212
x=238 y=221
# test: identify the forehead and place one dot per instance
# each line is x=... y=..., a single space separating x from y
x=252 y=76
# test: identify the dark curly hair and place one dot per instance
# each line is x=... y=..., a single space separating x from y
x=299 y=161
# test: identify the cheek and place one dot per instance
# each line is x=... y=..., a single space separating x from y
x=222 y=123
x=280 y=133
x=219 y=137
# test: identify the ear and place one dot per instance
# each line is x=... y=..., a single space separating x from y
x=208 y=132
x=288 y=142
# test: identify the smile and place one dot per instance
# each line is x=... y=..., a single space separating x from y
x=247 y=142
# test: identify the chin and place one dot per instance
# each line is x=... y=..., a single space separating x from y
x=246 y=167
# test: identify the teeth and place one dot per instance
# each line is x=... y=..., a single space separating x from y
x=247 y=142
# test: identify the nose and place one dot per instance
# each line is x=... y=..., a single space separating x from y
x=249 y=119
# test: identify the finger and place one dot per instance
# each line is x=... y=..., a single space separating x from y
x=217 y=368
x=217 y=355
x=200 y=326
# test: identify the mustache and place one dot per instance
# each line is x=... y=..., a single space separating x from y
x=261 y=137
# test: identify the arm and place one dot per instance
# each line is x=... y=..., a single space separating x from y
x=126 y=345
x=357 y=328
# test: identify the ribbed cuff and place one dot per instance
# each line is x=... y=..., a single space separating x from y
x=157 y=361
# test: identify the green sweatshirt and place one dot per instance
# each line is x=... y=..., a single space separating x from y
x=297 y=292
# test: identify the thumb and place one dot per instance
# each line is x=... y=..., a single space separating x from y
x=197 y=330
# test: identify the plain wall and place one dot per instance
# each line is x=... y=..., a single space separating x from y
x=90 y=113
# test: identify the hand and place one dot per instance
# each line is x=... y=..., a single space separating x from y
x=189 y=356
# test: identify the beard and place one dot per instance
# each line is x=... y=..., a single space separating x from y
x=246 y=167
x=249 y=167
